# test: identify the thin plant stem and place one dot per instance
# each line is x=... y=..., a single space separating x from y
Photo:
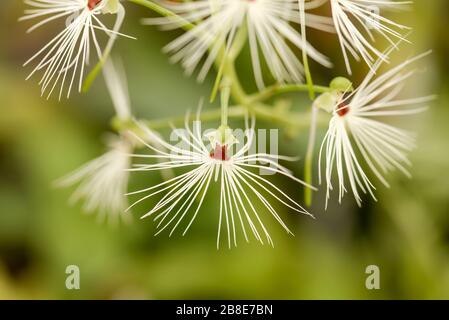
x=277 y=89
x=298 y=120
x=90 y=78
x=184 y=24
x=308 y=166
x=305 y=57
x=225 y=94
x=228 y=56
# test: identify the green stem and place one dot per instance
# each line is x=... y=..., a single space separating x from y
x=184 y=24
x=90 y=78
x=225 y=93
x=238 y=43
x=226 y=65
x=224 y=115
x=269 y=92
x=233 y=112
x=229 y=55
x=237 y=91
x=297 y=120
x=308 y=166
x=305 y=57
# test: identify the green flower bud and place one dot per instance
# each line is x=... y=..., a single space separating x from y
x=327 y=101
x=341 y=84
x=222 y=136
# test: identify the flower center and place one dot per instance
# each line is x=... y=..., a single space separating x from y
x=219 y=153
x=91 y=4
x=342 y=109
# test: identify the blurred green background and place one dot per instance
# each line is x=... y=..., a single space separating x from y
x=406 y=233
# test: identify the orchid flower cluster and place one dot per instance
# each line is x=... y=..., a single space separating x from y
x=359 y=149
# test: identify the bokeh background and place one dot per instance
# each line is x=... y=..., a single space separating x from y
x=405 y=233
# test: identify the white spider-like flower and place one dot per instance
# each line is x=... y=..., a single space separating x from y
x=358 y=136
x=64 y=58
x=270 y=29
x=244 y=195
x=103 y=182
x=357 y=21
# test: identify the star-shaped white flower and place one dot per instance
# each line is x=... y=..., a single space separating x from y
x=63 y=59
x=358 y=136
x=271 y=30
x=243 y=193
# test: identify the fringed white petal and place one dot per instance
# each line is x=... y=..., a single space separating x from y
x=240 y=188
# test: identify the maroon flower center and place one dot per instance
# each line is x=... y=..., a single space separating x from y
x=219 y=153
x=342 y=109
x=91 y=4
